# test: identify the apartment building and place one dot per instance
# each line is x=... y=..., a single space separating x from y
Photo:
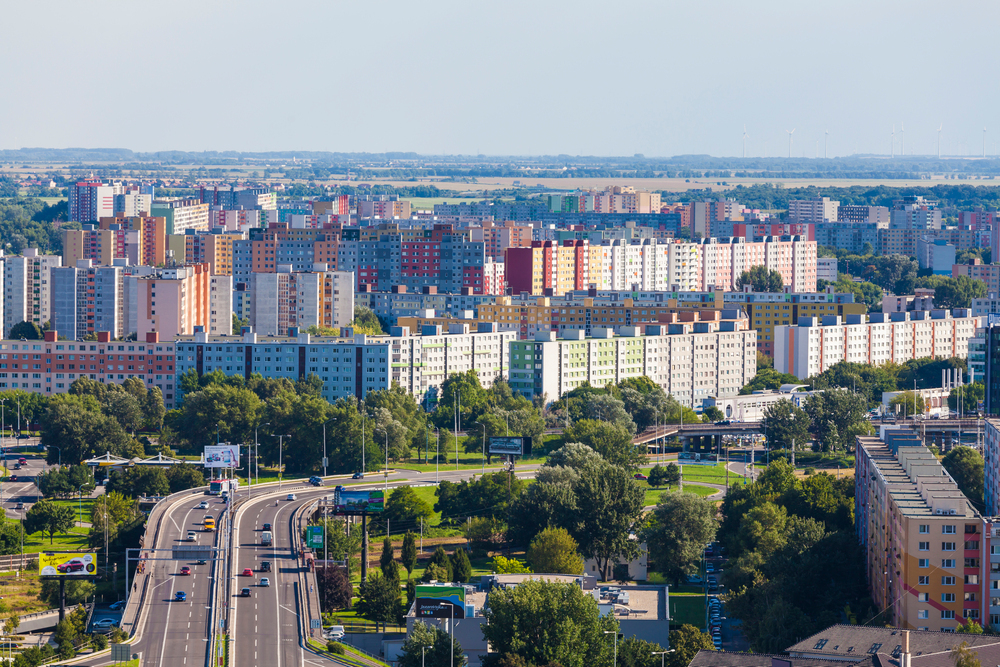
x=904 y=241
x=213 y=249
x=175 y=301
x=852 y=236
x=926 y=547
x=689 y=360
x=497 y=237
x=27 y=288
x=88 y=298
x=984 y=363
x=386 y=210
x=102 y=246
x=820 y=209
x=230 y=197
x=758 y=231
x=89 y=201
x=826 y=269
x=853 y=213
x=935 y=254
x=815 y=344
x=133 y=202
x=50 y=366
x=914 y=212
x=400 y=302
x=975 y=269
x=181 y=215
x=277 y=302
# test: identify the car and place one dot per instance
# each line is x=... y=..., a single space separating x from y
x=290 y=496
x=203 y=505
x=640 y=476
x=358 y=475
x=192 y=536
x=333 y=632
x=316 y=481
x=202 y=561
x=117 y=606
x=265 y=582
x=265 y=566
x=17 y=466
x=247 y=572
x=104 y=623
x=695 y=579
x=72 y=565
x=13 y=478
x=209 y=517
x=245 y=593
x=180 y=596
x=723 y=422
x=19 y=506
x=185 y=571
x=709 y=567
x=267 y=526
x=22 y=461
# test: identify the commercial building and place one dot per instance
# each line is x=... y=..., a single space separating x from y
x=927 y=550
x=27 y=288
x=182 y=214
x=88 y=298
x=50 y=366
x=816 y=210
x=690 y=360
x=826 y=269
x=816 y=344
x=752 y=407
x=935 y=254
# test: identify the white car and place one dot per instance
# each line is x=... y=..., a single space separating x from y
x=265 y=582
x=203 y=505
x=191 y=536
x=291 y=496
x=333 y=632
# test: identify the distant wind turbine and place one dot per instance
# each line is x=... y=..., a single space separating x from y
x=892 y=142
x=984 y=142
x=790 y=133
x=745 y=137
x=826 y=141
x=939 y=140
x=902 y=141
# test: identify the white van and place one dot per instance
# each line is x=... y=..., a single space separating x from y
x=266 y=537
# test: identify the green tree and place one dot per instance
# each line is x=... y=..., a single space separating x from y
x=762 y=279
x=611 y=440
x=686 y=642
x=609 y=503
x=966 y=467
x=49 y=518
x=547 y=623
x=963 y=656
x=430 y=646
x=404 y=510
x=335 y=590
x=184 y=476
x=712 y=414
x=440 y=559
x=504 y=565
x=954 y=292
x=366 y=321
x=657 y=476
x=554 y=551
x=681 y=525
x=907 y=403
x=77 y=591
x=26 y=331
x=970 y=627
x=488 y=496
x=140 y=481
x=785 y=423
x=635 y=652
x=408 y=554
x=970 y=394
x=837 y=417
x=461 y=568
x=379 y=599
x=673 y=475
x=766 y=378
x=390 y=570
x=153 y=409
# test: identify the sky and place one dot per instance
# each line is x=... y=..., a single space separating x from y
x=515 y=77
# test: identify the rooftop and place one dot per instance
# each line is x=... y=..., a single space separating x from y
x=847 y=641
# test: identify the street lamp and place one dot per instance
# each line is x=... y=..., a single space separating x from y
x=484 y=447
x=423 y=656
x=331 y=419
x=256 y=456
x=80 y=490
x=281 y=441
x=663 y=656
x=58 y=449
x=615 y=633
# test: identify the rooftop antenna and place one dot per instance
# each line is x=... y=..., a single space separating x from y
x=939 y=140
x=745 y=137
x=790 y=133
x=826 y=142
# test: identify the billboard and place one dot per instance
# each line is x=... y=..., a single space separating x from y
x=351 y=502
x=440 y=602
x=314 y=537
x=222 y=456
x=66 y=565
x=510 y=445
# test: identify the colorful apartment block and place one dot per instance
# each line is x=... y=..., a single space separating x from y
x=27 y=288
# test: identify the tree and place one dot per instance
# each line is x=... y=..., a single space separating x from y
x=440 y=558
x=611 y=440
x=970 y=627
x=489 y=497
x=575 y=455
x=965 y=656
x=547 y=623
x=681 y=525
x=635 y=652
x=461 y=568
x=686 y=642
x=767 y=378
x=954 y=292
x=673 y=474
x=366 y=321
x=49 y=518
x=140 y=481
x=430 y=646
x=335 y=588
x=504 y=565
x=408 y=554
x=390 y=570
x=762 y=279
x=907 y=403
x=153 y=409
x=970 y=394
x=785 y=423
x=609 y=503
x=485 y=534
x=12 y=623
x=26 y=331
x=554 y=551
x=966 y=467
x=77 y=591
x=712 y=414
x=657 y=476
x=379 y=601
x=184 y=476
x=404 y=509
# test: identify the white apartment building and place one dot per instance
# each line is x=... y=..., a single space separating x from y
x=276 y=302
x=27 y=288
x=826 y=269
x=690 y=360
x=813 y=346
x=820 y=209
x=423 y=362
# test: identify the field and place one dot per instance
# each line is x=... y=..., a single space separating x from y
x=20 y=593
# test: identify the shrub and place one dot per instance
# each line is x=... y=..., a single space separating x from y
x=336 y=648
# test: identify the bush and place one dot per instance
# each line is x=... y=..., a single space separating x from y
x=100 y=642
x=810 y=470
x=336 y=648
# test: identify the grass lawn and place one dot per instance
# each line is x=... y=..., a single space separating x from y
x=713 y=474
x=75 y=505
x=653 y=495
x=21 y=593
x=74 y=540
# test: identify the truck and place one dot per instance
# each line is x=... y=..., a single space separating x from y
x=266 y=538
x=218 y=486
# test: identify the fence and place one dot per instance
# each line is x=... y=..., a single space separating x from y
x=13 y=561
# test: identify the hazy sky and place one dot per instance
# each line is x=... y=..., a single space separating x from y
x=512 y=78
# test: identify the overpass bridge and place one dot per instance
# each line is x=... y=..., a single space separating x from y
x=688 y=431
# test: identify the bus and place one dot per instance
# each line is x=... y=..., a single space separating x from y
x=217 y=486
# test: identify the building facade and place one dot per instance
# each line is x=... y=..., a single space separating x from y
x=87 y=299
x=27 y=288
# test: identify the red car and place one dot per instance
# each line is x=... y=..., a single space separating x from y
x=640 y=476
x=247 y=572
x=185 y=571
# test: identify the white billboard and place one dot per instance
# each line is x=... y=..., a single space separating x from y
x=222 y=456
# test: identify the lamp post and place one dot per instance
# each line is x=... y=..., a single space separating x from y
x=423 y=656
x=437 y=456
x=663 y=655
x=81 y=502
x=385 y=471
x=484 y=447
x=58 y=449
x=256 y=458
x=332 y=419
x=615 y=633
x=281 y=441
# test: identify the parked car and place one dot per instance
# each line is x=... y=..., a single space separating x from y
x=180 y=596
x=333 y=632
x=104 y=623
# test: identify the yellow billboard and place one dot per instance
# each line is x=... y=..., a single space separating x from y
x=72 y=564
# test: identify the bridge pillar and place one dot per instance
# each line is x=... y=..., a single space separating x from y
x=948 y=442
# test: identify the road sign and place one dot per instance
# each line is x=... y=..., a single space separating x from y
x=315 y=624
x=314 y=537
x=326 y=461
x=121 y=652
